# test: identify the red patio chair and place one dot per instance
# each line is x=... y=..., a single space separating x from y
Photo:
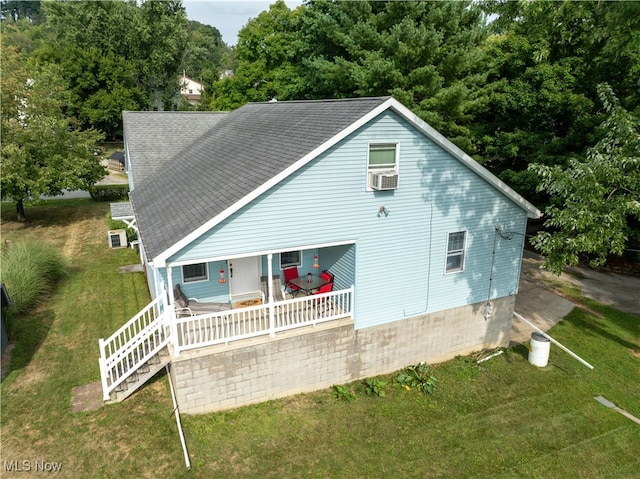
x=325 y=288
x=289 y=274
x=327 y=276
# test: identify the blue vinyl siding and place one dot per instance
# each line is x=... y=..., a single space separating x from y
x=399 y=268
x=205 y=291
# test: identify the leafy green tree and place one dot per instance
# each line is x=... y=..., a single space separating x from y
x=161 y=35
x=42 y=153
x=547 y=58
x=21 y=10
x=594 y=200
x=426 y=54
x=265 y=59
x=118 y=55
x=100 y=86
x=205 y=52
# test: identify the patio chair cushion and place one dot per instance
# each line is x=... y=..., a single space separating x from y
x=179 y=298
x=194 y=307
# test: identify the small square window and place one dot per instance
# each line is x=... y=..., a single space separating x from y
x=290 y=258
x=382 y=156
x=195 y=272
x=455 y=251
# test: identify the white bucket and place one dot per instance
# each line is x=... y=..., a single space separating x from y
x=539 y=347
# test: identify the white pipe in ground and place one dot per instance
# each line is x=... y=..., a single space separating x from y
x=177 y=412
x=553 y=340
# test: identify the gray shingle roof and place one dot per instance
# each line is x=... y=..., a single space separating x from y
x=156 y=137
x=121 y=210
x=234 y=157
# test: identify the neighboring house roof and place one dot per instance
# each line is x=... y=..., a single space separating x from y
x=248 y=152
x=155 y=137
x=121 y=210
x=117 y=156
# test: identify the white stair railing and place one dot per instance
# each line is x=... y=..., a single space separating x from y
x=133 y=345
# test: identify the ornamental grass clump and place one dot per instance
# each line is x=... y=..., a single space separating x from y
x=30 y=270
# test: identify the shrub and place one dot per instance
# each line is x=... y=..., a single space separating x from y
x=343 y=392
x=29 y=271
x=109 y=192
x=418 y=376
x=374 y=387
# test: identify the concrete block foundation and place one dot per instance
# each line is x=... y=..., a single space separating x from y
x=312 y=358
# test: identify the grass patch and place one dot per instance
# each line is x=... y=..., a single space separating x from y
x=503 y=418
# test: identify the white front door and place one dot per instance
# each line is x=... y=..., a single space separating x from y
x=244 y=275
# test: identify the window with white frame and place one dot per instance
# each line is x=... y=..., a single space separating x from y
x=290 y=258
x=382 y=165
x=455 y=251
x=195 y=272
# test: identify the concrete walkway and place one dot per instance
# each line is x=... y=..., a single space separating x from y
x=539 y=304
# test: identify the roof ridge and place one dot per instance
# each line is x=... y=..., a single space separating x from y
x=189 y=112
x=322 y=100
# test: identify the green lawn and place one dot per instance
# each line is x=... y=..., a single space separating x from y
x=501 y=419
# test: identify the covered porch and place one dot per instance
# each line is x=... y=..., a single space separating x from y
x=246 y=296
x=256 y=278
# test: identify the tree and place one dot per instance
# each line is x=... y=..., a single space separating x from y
x=21 y=9
x=100 y=86
x=426 y=54
x=547 y=58
x=205 y=53
x=594 y=200
x=42 y=153
x=117 y=55
x=265 y=58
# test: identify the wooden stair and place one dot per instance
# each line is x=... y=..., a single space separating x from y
x=144 y=372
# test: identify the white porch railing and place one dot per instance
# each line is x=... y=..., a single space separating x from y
x=133 y=345
x=153 y=328
x=225 y=326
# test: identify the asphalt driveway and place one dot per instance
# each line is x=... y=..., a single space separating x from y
x=537 y=303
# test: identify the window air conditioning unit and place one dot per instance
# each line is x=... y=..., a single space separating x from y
x=383 y=180
x=117 y=239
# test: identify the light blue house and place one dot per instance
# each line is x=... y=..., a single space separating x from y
x=424 y=244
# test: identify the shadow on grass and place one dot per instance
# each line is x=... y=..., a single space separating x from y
x=60 y=212
x=622 y=320
x=521 y=350
x=27 y=333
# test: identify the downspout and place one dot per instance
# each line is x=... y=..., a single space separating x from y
x=488 y=307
